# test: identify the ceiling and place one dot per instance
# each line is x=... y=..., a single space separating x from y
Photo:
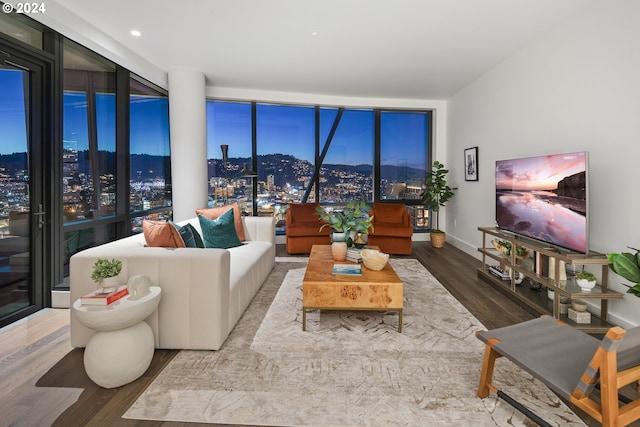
x=414 y=49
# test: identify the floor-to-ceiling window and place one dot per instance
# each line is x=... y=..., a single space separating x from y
x=229 y=128
x=89 y=175
x=308 y=153
x=404 y=155
x=285 y=149
x=21 y=290
x=92 y=158
x=116 y=158
x=25 y=151
x=347 y=138
x=150 y=156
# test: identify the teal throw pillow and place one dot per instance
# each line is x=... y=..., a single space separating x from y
x=221 y=232
x=190 y=235
x=196 y=236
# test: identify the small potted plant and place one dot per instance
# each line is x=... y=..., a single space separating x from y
x=335 y=219
x=354 y=217
x=105 y=274
x=436 y=194
x=586 y=281
x=505 y=247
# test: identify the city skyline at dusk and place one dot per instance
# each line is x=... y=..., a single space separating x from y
x=281 y=129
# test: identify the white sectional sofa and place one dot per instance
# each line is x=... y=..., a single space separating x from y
x=204 y=291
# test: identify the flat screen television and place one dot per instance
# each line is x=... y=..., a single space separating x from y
x=545 y=198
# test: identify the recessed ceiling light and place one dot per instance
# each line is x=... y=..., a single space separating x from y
x=314 y=33
x=136 y=33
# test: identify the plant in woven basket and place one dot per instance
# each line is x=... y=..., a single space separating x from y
x=437 y=192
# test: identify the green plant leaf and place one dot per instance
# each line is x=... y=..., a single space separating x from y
x=635 y=290
x=625 y=265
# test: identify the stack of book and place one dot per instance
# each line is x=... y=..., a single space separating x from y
x=98 y=298
x=354 y=255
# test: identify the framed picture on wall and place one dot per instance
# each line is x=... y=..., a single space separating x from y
x=471 y=164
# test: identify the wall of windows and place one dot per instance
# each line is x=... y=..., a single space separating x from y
x=308 y=153
x=116 y=152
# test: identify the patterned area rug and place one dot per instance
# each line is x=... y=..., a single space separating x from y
x=348 y=369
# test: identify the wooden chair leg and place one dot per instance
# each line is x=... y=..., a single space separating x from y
x=609 y=391
x=488 y=363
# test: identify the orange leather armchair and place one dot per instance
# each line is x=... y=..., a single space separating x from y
x=303 y=228
x=392 y=229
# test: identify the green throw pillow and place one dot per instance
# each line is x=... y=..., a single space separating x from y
x=221 y=232
x=196 y=236
x=190 y=235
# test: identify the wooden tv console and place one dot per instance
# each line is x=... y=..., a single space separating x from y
x=536 y=301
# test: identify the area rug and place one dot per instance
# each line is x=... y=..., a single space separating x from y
x=351 y=368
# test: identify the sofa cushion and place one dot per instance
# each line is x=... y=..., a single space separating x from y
x=219 y=233
x=190 y=235
x=387 y=212
x=307 y=228
x=214 y=213
x=304 y=212
x=161 y=234
x=392 y=229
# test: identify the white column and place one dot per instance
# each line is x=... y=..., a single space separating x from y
x=188 y=126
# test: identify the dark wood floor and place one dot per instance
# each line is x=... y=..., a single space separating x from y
x=101 y=407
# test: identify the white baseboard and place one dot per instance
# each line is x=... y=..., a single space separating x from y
x=464 y=246
x=60 y=299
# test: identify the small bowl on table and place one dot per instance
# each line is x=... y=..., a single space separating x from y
x=374 y=259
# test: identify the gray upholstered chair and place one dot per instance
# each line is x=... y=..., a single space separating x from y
x=571 y=363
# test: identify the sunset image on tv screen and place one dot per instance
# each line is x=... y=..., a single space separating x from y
x=544 y=198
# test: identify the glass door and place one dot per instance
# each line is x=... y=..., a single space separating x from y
x=22 y=216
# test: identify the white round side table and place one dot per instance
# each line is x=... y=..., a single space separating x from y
x=122 y=348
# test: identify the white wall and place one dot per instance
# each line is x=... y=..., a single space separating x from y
x=577 y=87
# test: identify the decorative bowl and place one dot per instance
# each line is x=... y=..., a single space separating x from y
x=578 y=305
x=373 y=259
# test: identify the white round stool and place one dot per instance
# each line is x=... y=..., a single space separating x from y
x=122 y=348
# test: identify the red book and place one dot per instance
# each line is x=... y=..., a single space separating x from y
x=98 y=298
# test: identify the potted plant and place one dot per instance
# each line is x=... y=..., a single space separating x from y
x=586 y=280
x=354 y=217
x=105 y=274
x=504 y=246
x=437 y=193
x=335 y=219
x=627 y=265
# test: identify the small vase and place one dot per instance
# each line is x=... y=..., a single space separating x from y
x=339 y=251
x=360 y=241
x=108 y=284
x=338 y=237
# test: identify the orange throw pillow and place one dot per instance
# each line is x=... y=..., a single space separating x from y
x=161 y=234
x=214 y=213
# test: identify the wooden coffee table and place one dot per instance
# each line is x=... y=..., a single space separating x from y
x=373 y=290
